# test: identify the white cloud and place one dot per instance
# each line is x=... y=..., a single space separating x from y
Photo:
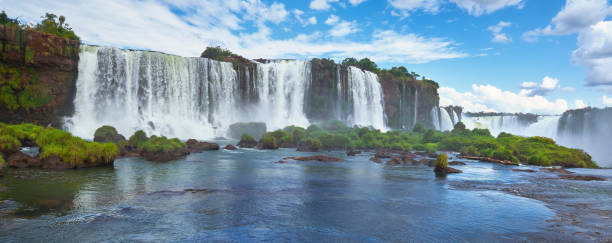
x=492 y=99
x=343 y=28
x=321 y=4
x=579 y=104
x=529 y=85
x=150 y=25
x=575 y=16
x=356 y=2
x=480 y=7
x=498 y=36
x=531 y=88
x=312 y=20
x=595 y=53
x=607 y=101
x=431 y=6
x=333 y=19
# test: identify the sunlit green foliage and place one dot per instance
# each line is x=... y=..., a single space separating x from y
x=58 y=27
x=51 y=141
x=216 y=53
x=248 y=138
x=138 y=139
x=157 y=144
x=269 y=141
x=9 y=144
x=442 y=162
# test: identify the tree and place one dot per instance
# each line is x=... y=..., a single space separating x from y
x=216 y=53
x=367 y=64
x=62 y=19
x=5 y=20
x=350 y=61
x=50 y=26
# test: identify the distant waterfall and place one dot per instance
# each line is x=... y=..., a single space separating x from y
x=192 y=97
x=416 y=106
x=367 y=97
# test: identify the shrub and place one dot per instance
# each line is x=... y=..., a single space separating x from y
x=460 y=128
x=49 y=25
x=269 y=142
x=138 y=139
x=247 y=138
x=481 y=132
x=469 y=151
x=157 y=144
x=504 y=154
x=105 y=131
x=431 y=147
x=9 y=144
x=442 y=162
x=316 y=144
x=419 y=127
x=2 y=162
x=216 y=53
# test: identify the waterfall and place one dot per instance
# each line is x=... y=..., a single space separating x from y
x=367 y=98
x=446 y=122
x=416 y=106
x=435 y=117
x=192 y=97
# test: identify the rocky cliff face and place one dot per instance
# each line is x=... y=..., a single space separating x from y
x=37 y=76
x=408 y=101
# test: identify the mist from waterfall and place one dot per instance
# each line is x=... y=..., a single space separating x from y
x=192 y=97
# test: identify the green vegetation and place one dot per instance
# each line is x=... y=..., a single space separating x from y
x=9 y=144
x=59 y=28
x=55 y=142
x=217 y=53
x=137 y=140
x=248 y=138
x=442 y=162
x=269 y=141
x=157 y=144
x=477 y=142
x=105 y=131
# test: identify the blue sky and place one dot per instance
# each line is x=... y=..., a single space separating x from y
x=541 y=56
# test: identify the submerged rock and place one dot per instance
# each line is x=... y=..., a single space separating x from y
x=230 y=147
x=353 y=153
x=195 y=146
x=487 y=159
x=395 y=161
x=581 y=178
x=456 y=163
x=557 y=170
x=383 y=154
x=375 y=160
x=447 y=170
x=525 y=170
x=321 y=158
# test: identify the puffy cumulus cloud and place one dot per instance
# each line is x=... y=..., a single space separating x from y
x=298 y=15
x=498 y=36
x=321 y=4
x=575 y=16
x=155 y=25
x=595 y=53
x=547 y=85
x=607 y=101
x=492 y=99
x=332 y=19
x=588 y=19
x=480 y=7
x=356 y=2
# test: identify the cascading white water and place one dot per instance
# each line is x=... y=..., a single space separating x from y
x=282 y=87
x=199 y=98
x=446 y=122
x=416 y=106
x=435 y=117
x=367 y=99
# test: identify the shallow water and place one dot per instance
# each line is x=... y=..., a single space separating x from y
x=245 y=196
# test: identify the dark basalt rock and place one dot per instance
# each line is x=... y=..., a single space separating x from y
x=487 y=159
x=525 y=170
x=447 y=170
x=195 y=146
x=321 y=158
x=456 y=163
x=557 y=170
x=581 y=178
x=425 y=154
x=428 y=162
x=230 y=147
x=353 y=153
x=383 y=154
x=395 y=161
x=21 y=160
x=165 y=156
x=375 y=160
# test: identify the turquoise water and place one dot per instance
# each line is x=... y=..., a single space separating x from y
x=244 y=195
